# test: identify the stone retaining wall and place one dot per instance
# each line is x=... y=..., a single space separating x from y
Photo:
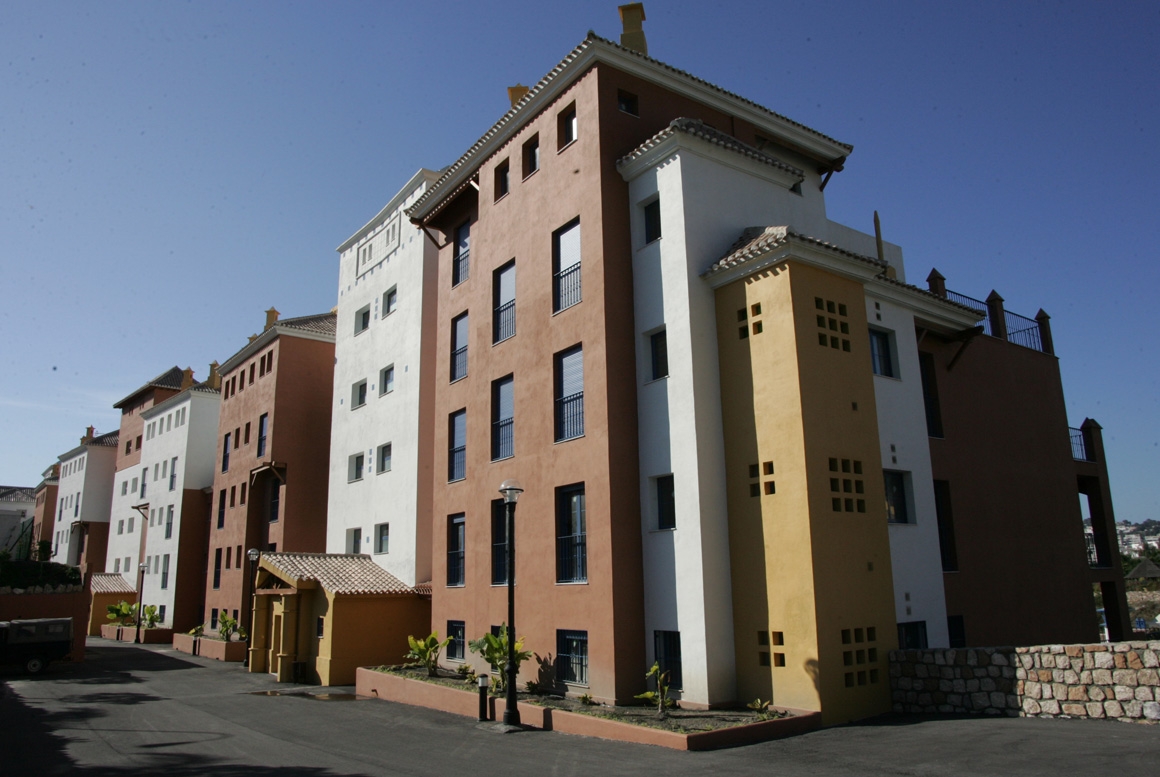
x=1119 y=681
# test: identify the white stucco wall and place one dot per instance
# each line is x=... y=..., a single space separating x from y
x=85 y=494
x=403 y=259
x=905 y=447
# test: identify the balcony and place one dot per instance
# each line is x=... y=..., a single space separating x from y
x=570 y=416
x=505 y=321
x=567 y=287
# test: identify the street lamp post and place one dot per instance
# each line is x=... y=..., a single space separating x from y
x=511 y=491
x=253 y=554
x=140 y=599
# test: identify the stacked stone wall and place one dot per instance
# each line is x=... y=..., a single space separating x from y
x=1119 y=681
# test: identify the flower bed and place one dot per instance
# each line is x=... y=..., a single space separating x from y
x=681 y=730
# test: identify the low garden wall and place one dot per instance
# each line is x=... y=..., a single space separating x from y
x=61 y=601
x=1119 y=681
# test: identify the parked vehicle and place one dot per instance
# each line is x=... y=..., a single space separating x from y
x=34 y=643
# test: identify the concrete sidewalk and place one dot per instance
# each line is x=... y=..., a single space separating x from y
x=134 y=710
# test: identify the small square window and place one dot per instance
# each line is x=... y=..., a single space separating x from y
x=756 y=308
x=779 y=659
x=382 y=537
x=384 y=458
x=763 y=638
x=362 y=319
x=754 y=489
x=626 y=102
x=770 y=488
x=566 y=126
x=757 y=328
x=387 y=380
x=358 y=394
x=652 y=221
x=768 y=468
x=355 y=467
x=531 y=156
x=778 y=638
x=753 y=471
x=743 y=333
x=763 y=658
x=390 y=301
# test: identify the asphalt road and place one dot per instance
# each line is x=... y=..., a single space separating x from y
x=146 y=710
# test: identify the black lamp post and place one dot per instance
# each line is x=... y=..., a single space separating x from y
x=140 y=600
x=253 y=554
x=511 y=491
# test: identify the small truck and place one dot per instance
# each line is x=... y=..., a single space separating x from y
x=35 y=642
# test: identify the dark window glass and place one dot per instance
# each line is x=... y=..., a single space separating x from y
x=881 y=358
x=659 y=344
x=461 y=258
x=457 y=445
x=456 y=545
x=569 y=394
x=572 y=657
x=668 y=655
x=566 y=266
x=666 y=503
x=652 y=221
x=896 y=506
x=502 y=418
x=571 y=535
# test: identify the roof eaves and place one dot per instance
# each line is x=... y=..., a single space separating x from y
x=698 y=129
x=170 y=379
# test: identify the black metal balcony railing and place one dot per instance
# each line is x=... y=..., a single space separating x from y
x=567 y=287
x=502 y=439
x=974 y=304
x=460 y=268
x=1023 y=331
x=505 y=321
x=1079 y=450
x=572 y=558
x=457 y=463
x=570 y=416
x=455 y=569
x=459 y=363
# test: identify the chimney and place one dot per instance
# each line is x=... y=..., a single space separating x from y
x=186 y=378
x=937 y=283
x=89 y=432
x=214 y=380
x=271 y=317
x=632 y=37
x=516 y=93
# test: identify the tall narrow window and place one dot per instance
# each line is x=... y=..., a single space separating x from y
x=502 y=179
x=457 y=445
x=169 y=523
x=456 y=648
x=144 y=477
x=934 y=427
x=384 y=458
x=459 y=347
x=566 y=126
x=572 y=657
x=382 y=538
x=504 y=291
x=946 y=526
x=532 y=156
x=273 y=500
x=502 y=418
x=667 y=645
x=666 y=503
x=659 y=348
x=461 y=258
x=165 y=570
x=217 y=568
x=362 y=319
x=652 y=221
x=897 y=509
x=221 y=522
x=387 y=380
x=456 y=545
x=571 y=535
x=569 y=394
x=355 y=465
x=263 y=427
x=499 y=543
x=225 y=458
x=354 y=540
x=881 y=356
x=173 y=474
x=358 y=394
x=390 y=301
x=566 y=266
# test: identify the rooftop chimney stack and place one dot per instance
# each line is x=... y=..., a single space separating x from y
x=214 y=380
x=516 y=93
x=89 y=432
x=186 y=378
x=271 y=318
x=632 y=37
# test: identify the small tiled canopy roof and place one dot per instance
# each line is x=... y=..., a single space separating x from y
x=756 y=241
x=110 y=583
x=320 y=324
x=1145 y=569
x=170 y=379
x=700 y=129
x=108 y=439
x=339 y=573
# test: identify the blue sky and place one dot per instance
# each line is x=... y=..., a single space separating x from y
x=171 y=170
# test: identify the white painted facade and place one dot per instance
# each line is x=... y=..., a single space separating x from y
x=179 y=453
x=16 y=515
x=86 y=483
x=387 y=255
x=131 y=491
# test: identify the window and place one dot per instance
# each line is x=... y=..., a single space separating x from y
x=566 y=126
x=225 y=456
x=456 y=648
x=912 y=635
x=233 y=495
x=121 y=526
x=503 y=323
x=221 y=523
x=362 y=319
x=572 y=657
x=320 y=627
x=217 y=568
x=382 y=537
x=652 y=221
x=946 y=526
x=668 y=654
x=354 y=470
x=354 y=540
x=252 y=365
x=358 y=394
x=499 y=543
x=116 y=564
x=165 y=569
x=390 y=301
x=897 y=508
x=246 y=434
x=566 y=266
x=213 y=618
x=531 y=156
x=144 y=477
x=386 y=380
x=273 y=501
x=502 y=418
x=666 y=503
x=457 y=445
x=124 y=487
x=934 y=427
x=456 y=545
x=458 y=347
x=263 y=427
x=569 y=394
x=502 y=179
x=242 y=494
x=659 y=348
x=956 y=631
x=173 y=474
x=169 y=523
x=384 y=458
x=626 y=102
x=881 y=358
x=571 y=535
x=461 y=256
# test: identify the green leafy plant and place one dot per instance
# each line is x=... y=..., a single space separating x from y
x=586 y=699
x=467 y=672
x=425 y=652
x=660 y=696
x=150 y=617
x=44 y=550
x=533 y=687
x=121 y=613
x=493 y=649
x=760 y=707
x=227 y=627
x=197 y=630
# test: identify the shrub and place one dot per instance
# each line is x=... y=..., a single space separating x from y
x=122 y=613
x=660 y=696
x=425 y=652
x=494 y=650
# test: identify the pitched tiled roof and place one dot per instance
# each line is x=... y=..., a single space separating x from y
x=110 y=583
x=424 y=589
x=699 y=129
x=170 y=379
x=321 y=324
x=436 y=190
x=107 y=440
x=340 y=573
x=756 y=241
x=17 y=494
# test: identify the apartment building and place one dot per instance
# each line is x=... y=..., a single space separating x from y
x=385 y=358
x=81 y=528
x=721 y=401
x=272 y=455
x=44 y=514
x=179 y=456
x=17 y=505
x=128 y=507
